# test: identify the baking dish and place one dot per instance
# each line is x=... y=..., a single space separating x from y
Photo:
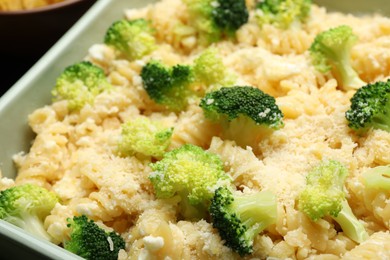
x=33 y=91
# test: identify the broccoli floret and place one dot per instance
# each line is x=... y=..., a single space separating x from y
x=240 y=218
x=132 y=39
x=210 y=71
x=324 y=196
x=174 y=86
x=143 y=136
x=229 y=15
x=80 y=83
x=283 y=13
x=191 y=173
x=91 y=242
x=27 y=206
x=370 y=108
x=216 y=18
x=377 y=178
x=245 y=113
x=331 y=50
x=168 y=86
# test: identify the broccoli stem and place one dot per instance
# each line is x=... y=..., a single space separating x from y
x=382 y=121
x=189 y=211
x=378 y=177
x=256 y=211
x=244 y=131
x=350 y=224
x=32 y=224
x=349 y=76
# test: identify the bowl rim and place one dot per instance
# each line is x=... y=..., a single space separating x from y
x=42 y=9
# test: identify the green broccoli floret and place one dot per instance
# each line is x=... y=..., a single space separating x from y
x=168 y=86
x=174 y=86
x=143 y=136
x=283 y=13
x=216 y=18
x=240 y=218
x=210 y=71
x=324 y=196
x=377 y=178
x=132 y=39
x=191 y=173
x=27 y=206
x=92 y=242
x=245 y=113
x=331 y=50
x=80 y=83
x=370 y=108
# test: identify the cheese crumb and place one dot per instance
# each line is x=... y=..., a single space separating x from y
x=153 y=243
x=111 y=243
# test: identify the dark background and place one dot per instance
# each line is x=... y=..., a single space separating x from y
x=13 y=67
x=26 y=37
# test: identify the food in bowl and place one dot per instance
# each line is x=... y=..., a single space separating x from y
x=199 y=131
x=16 y=5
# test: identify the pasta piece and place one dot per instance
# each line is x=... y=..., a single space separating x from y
x=193 y=128
x=376 y=247
x=241 y=163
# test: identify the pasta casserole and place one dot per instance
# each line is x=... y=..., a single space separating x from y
x=211 y=129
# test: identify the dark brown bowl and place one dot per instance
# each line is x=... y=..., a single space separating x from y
x=33 y=32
